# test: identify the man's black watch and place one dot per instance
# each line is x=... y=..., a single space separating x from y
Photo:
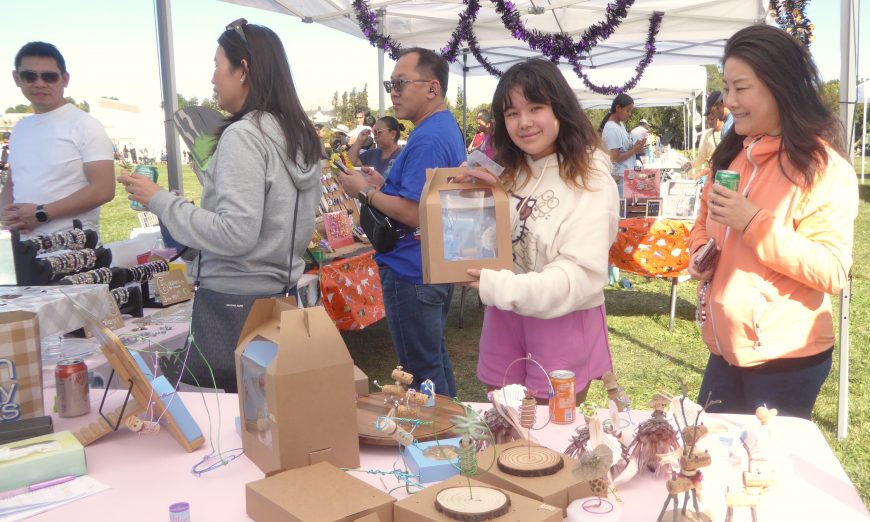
x=41 y=214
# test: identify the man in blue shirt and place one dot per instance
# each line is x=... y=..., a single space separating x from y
x=416 y=312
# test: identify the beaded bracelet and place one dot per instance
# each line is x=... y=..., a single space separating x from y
x=121 y=296
x=72 y=239
x=71 y=261
x=98 y=276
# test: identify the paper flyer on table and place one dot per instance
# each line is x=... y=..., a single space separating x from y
x=26 y=505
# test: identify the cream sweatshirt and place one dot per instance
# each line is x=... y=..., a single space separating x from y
x=561 y=241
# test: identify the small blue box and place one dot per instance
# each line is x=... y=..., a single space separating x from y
x=423 y=459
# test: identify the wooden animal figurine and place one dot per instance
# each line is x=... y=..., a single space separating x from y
x=614 y=391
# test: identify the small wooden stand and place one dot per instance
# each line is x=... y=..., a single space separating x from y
x=472 y=504
x=530 y=461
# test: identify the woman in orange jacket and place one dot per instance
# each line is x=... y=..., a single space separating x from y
x=784 y=236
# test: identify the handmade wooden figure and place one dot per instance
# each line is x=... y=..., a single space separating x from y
x=502 y=430
x=615 y=392
x=399 y=400
x=689 y=477
x=581 y=444
x=655 y=436
x=473 y=502
x=760 y=450
x=532 y=460
x=594 y=461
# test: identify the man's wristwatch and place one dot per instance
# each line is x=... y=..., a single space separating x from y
x=41 y=214
x=363 y=195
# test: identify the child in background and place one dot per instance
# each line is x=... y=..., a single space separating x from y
x=564 y=215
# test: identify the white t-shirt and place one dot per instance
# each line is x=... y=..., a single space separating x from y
x=616 y=137
x=638 y=133
x=46 y=154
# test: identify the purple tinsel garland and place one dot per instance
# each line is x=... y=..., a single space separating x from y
x=553 y=46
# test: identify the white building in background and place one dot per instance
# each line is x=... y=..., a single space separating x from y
x=129 y=125
x=320 y=116
x=9 y=119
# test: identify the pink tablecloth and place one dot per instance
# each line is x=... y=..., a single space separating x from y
x=147 y=473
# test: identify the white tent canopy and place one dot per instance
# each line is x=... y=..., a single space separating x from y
x=660 y=86
x=692 y=31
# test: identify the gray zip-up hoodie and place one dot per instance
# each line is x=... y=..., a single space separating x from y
x=244 y=224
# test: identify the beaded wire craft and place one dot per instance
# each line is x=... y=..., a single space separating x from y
x=72 y=239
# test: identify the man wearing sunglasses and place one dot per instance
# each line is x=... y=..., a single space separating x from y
x=60 y=159
x=416 y=312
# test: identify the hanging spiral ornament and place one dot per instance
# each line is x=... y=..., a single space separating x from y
x=467 y=459
x=527 y=412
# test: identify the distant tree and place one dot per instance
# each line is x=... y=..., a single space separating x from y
x=714 y=78
x=20 y=108
x=84 y=105
x=111 y=98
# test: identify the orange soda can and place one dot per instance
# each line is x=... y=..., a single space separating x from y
x=563 y=403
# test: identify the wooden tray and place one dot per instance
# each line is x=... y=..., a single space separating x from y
x=370 y=407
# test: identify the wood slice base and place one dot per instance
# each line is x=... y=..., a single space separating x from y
x=474 y=504
x=690 y=516
x=535 y=461
x=370 y=407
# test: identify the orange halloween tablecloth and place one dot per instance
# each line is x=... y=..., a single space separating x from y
x=652 y=247
x=351 y=291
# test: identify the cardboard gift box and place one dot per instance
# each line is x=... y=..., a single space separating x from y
x=42 y=458
x=296 y=388
x=319 y=492
x=420 y=507
x=433 y=460
x=462 y=226
x=559 y=489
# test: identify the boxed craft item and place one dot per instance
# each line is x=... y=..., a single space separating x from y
x=462 y=226
x=429 y=505
x=433 y=460
x=296 y=388
x=39 y=459
x=319 y=492
x=20 y=366
x=558 y=489
x=360 y=382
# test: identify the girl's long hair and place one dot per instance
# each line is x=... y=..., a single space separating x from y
x=540 y=81
x=622 y=100
x=271 y=90
x=806 y=122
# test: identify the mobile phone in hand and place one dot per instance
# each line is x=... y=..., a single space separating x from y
x=706 y=256
x=341 y=167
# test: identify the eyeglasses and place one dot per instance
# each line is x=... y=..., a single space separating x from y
x=399 y=85
x=377 y=132
x=238 y=26
x=32 y=76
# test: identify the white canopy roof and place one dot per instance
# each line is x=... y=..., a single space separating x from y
x=692 y=31
x=660 y=86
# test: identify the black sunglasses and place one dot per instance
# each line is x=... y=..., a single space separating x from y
x=238 y=27
x=31 y=76
x=399 y=85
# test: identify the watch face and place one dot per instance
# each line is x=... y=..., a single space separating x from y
x=41 y=216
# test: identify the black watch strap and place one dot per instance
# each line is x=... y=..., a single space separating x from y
x=41 y=214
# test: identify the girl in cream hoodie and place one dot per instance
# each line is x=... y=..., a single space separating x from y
x=564 y=212
x=785 y=235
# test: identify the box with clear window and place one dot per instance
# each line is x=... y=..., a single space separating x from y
x=462 y=226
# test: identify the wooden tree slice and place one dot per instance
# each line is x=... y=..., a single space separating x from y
x=474 y=504
x=370 y=407
x=535 y=461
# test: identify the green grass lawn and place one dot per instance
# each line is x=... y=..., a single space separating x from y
x=647 y=357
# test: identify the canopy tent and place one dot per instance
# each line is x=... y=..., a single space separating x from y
x=660 y=86
x=692 y=32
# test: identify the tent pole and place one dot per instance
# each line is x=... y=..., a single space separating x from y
x=170 y=98
x=381 y=102
x=847 y=114
x=464 y=94
x=864 y=133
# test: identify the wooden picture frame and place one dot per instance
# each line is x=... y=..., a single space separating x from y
x=148 y=392
x=653 y=207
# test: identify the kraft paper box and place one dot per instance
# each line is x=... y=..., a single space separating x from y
x=20 y=366
x=320 y=492
x=462 y=226
x=56 y=455
x=559 y=489
x=420 y=507
x=360 y=382
x=296 y=388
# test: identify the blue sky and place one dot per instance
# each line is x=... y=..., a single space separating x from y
x=111 y=50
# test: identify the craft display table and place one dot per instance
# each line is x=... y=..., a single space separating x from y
x=147 y=473
x=652 y=247
x=54 y=309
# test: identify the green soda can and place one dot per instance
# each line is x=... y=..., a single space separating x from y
x=151 y=172
x=728 y=179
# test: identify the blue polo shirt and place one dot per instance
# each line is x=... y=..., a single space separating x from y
x=435 y=143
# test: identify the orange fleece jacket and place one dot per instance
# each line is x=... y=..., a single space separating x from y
x=768 y=298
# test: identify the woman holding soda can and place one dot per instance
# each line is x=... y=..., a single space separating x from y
x=784 y=236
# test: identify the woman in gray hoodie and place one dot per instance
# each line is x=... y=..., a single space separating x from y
x=260 y=189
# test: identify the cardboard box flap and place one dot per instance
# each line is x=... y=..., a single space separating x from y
x=311 y=335
x=264 y=311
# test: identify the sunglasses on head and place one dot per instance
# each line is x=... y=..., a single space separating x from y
x=238 y=27
x=32 y=76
